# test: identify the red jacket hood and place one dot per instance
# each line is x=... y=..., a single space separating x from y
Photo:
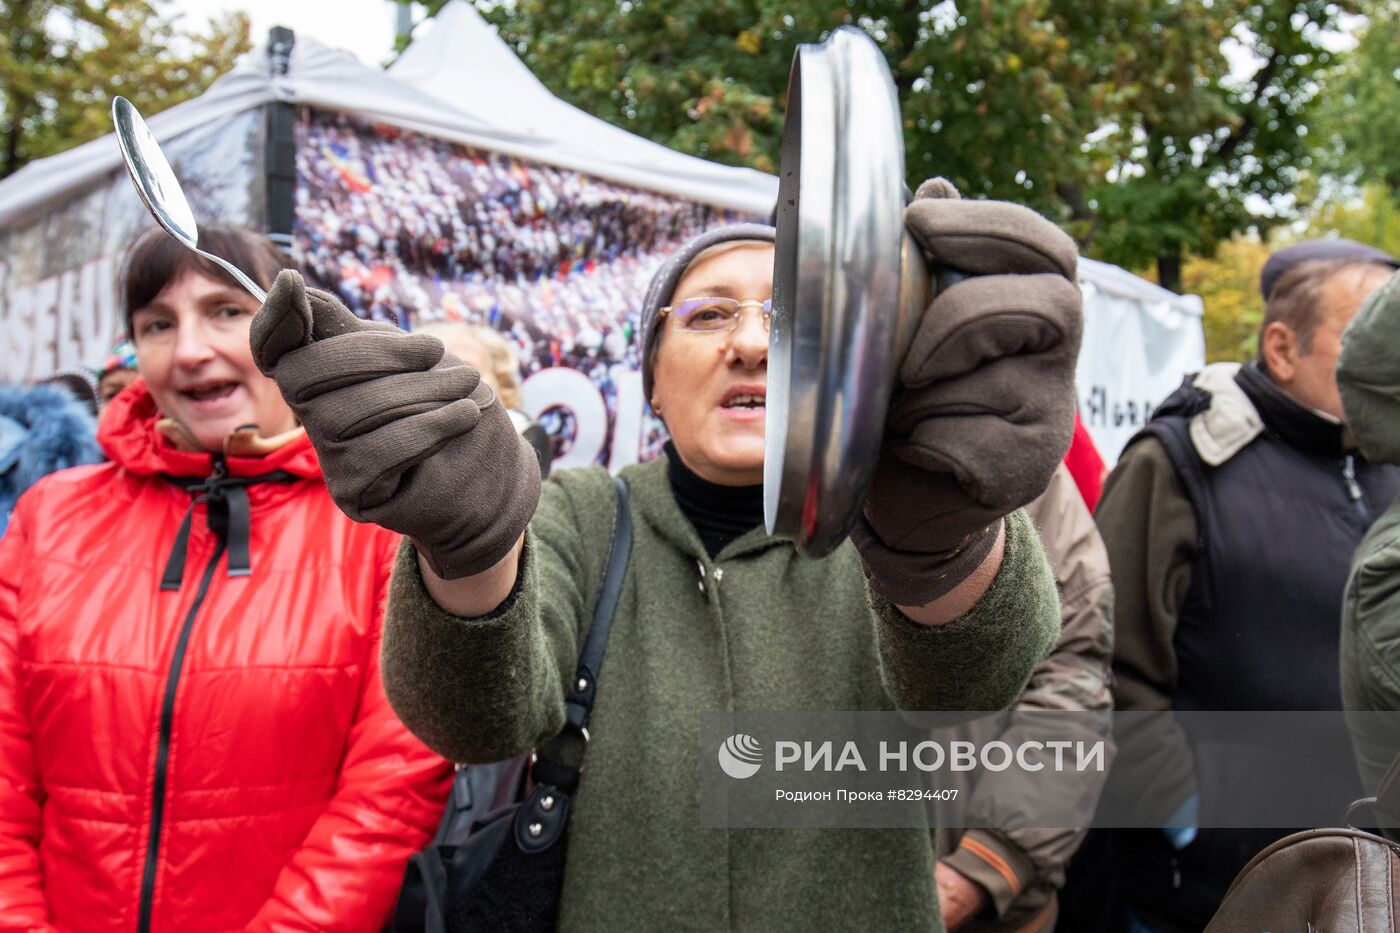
x=130 y=438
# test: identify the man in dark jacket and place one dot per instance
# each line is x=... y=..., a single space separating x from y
x=1230 y=522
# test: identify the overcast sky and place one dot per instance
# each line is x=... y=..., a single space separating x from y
x=364 y=27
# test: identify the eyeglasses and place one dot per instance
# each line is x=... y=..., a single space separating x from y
x=715 y=315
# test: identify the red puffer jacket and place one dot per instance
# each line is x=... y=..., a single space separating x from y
x=215 y=756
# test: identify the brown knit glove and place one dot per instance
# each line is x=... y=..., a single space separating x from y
x=409 y=437
x=984 y=407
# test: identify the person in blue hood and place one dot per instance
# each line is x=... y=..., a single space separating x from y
x=42 y=429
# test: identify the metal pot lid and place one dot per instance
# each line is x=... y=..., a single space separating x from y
x=836 y=290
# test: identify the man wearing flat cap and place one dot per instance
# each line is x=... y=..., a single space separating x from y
x=1230 y=522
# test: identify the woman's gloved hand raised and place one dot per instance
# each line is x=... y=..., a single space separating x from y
x=409 y=437
x=983 y=409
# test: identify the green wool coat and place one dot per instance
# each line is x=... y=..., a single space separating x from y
x=758 y=628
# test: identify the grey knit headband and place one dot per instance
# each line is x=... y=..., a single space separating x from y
x=663 y=284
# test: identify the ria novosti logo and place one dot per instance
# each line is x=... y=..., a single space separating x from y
x=741 y=756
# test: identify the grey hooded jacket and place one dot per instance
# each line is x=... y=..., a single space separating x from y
x=1368 y=375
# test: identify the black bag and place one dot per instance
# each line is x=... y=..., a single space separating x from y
x=497 y=860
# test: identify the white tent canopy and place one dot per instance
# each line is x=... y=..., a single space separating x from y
x=461 y=83
x=451 y=62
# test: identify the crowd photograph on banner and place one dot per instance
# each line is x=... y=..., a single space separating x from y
x=472 y=466
x=411 y=229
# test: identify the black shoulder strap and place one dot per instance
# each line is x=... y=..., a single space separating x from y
x=433 y=880
x=578 y=704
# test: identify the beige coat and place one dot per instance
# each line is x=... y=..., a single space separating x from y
x=1023 y=869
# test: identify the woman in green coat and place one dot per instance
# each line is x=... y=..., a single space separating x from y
x=940 y=600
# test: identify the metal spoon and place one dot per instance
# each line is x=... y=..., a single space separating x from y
x=158 y=187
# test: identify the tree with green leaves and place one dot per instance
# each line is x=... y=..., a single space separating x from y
x=1359 y=138
x=1372 y=217
x=1228 y=286
x=1214 y=149
x=1123 y=119
x=62 y=62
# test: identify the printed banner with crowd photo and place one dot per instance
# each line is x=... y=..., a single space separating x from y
x=408 y=228
x=58 y=272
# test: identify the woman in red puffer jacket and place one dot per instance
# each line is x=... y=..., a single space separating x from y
x=193 y=735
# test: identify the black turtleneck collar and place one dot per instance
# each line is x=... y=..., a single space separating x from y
x=719 y=513
x=1296 y=424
